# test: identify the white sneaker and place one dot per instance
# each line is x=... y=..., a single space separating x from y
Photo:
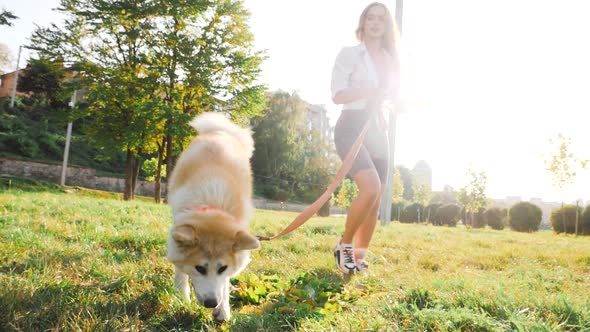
x=362 y=265
x=344 y=255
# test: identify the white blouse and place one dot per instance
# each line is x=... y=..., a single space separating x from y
x=354 y=68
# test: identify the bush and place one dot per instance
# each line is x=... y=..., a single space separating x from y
x=397 y=210
x=324 y=211
x=430 y=212
x=585 y=221
x=412 y=213
x=525 y=217
x=447 y=214
x=479 y=220
x=563 y=219
x=494 y=218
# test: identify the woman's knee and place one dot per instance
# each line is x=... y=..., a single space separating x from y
x=368 y=184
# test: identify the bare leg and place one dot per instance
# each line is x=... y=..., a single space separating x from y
x=363 y=236
x=181 y=283
x=361 y=208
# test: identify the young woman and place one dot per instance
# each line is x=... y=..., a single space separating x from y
x=364 y=78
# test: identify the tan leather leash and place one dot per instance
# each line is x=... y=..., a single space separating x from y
x=315 y=206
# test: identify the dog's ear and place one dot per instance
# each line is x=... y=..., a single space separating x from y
x=184 y=234
x=245 y=241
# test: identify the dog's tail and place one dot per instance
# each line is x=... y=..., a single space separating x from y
x=212 y=121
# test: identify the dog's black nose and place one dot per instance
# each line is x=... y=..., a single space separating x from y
x=210 y=303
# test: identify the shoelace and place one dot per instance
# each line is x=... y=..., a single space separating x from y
x=362 y=264
x=348 y=256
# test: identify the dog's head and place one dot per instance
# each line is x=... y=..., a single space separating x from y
x=210 y=247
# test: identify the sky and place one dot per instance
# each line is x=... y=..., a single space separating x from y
x=486 y=83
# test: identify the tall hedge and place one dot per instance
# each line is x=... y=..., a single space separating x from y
x=447 y=214
x=585 y=221
x=525 y=217
x=494 y=218
x=563 y=220
x=412 y=213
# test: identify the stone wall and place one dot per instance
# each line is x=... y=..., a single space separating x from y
x=86 y=177
x=75 y=176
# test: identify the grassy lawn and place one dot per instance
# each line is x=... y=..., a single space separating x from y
x=78 y=260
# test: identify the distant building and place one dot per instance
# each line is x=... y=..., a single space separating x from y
x=7 y=84
x=316 y=118
x=422 y=174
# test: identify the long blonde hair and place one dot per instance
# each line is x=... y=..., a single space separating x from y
x=391 y=36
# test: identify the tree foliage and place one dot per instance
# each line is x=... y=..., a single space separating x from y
x=406 y=175
x=561 y=162
x=447 y=196
x=149 y=67
x=397 y=193
x=346 y=193
x=290 y=160
x=473 y=196
x=525 y=217
x=6 y=17
x=422 y=194
x=45 y=80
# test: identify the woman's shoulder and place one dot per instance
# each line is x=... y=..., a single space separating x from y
x=354 y=49
x=349 y=53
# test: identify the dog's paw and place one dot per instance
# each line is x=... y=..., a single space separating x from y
x=221 y=315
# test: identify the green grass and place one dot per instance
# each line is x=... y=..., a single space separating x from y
x=79 y=260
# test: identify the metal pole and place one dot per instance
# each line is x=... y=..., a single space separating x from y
x=15 y=77
x=64 y=166
x=385 y=211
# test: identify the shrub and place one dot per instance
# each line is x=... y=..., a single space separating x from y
x=447 y=214
x=346 y=193
x=397 y=210
x=430 y=212
x=324 y=211
x=479 y=220
x=494 y=218
x=525 y=217
x=412 y=213
x=585 y=221
x=563 y=219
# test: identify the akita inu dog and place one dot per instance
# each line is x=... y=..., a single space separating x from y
x=210 y=192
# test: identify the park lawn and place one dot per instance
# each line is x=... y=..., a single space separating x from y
x=78 y=260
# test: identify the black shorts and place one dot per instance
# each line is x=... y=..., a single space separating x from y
x=374 y=152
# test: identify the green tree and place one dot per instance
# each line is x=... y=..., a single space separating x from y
x=563 y=166
x=473 y=196
x=203 y=58
x=447 y=196
x=289 y=157
x=150 y=168
x=150 y=67
x=398 y=187
x=44 y=78
x=406 y=174
x=422 y=194
x=348 y=190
